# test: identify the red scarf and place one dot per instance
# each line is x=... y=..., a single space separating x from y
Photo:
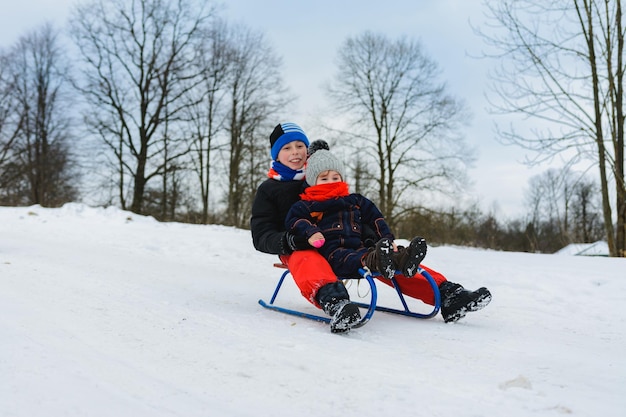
x=323 y=192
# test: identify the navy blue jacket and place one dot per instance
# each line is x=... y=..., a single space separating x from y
x=341 y=220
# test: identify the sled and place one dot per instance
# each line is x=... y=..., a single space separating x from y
x=371 y=306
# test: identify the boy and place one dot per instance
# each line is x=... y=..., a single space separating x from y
x=274 y=197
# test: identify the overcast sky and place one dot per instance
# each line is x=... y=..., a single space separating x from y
x=307 y=35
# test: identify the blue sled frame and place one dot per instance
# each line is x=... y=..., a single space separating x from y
x=371 y=307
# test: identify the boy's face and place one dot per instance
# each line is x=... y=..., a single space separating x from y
x=328 y=177
x=293 y=155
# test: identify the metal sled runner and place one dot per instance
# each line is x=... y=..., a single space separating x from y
x=371 y=307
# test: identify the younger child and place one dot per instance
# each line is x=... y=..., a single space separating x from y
x=333 y=220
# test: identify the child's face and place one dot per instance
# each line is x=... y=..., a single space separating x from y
x=328 y=177
x=293 y=155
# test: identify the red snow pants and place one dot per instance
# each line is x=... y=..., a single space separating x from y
x=311 y=271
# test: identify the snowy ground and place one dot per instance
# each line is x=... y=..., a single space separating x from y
x=106 y=313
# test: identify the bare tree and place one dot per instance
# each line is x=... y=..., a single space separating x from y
x=136 y=75
x=586 y=213
x=256 y=93
x=562 y=66
x=11 y=121
x=38 y=168
x=403 y=118
x=10 y=118
x=562 y=210
x=207 y=113
x=549 y=199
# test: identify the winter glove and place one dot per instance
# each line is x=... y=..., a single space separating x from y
x=316 y=145
x=368 y=236
x=296 y=242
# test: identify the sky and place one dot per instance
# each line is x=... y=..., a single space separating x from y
x=107 y=313
x=307 y=36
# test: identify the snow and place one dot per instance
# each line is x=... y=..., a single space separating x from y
x=107 y=313
x=599 y=248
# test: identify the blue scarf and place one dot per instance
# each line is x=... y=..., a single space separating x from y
x=281 y=172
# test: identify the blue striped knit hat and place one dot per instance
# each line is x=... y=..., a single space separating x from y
x=283 y=134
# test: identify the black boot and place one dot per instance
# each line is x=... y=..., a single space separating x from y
x=456 y=301
x=380 y=258
x=408 y=259
x=335 y=301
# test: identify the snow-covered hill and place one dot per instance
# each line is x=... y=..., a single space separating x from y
x=106 y=313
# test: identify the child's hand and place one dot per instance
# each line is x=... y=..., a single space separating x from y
x=317 y=240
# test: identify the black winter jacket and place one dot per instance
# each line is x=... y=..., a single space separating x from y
x=271 y=204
